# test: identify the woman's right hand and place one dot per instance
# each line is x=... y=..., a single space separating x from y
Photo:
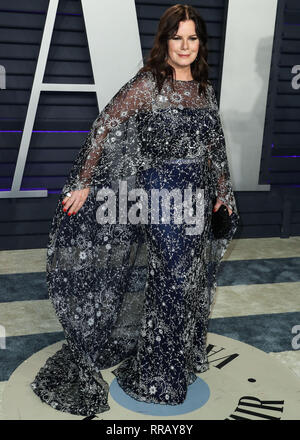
x=75 y=202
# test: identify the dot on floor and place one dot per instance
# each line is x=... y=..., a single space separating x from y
x=197 y=395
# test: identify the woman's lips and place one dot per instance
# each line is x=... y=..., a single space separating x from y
x=183 y=55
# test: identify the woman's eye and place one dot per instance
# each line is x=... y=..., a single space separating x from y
x=192 y=38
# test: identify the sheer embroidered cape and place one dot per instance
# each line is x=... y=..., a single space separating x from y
x=98 y=274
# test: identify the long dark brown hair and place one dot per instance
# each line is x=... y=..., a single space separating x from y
x=167 y=28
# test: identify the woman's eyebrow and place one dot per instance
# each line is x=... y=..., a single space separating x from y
x=189 y=35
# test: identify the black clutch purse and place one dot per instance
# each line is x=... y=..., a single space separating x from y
x=221 y=222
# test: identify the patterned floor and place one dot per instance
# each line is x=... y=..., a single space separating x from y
x=257 y=303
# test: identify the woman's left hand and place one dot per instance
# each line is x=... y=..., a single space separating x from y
x=218 y=204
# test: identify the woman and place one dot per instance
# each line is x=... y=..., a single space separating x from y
x=139 y=293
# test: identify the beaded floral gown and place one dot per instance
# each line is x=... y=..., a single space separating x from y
x=133 y=280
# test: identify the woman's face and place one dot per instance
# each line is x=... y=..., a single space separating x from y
x=184 y=42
